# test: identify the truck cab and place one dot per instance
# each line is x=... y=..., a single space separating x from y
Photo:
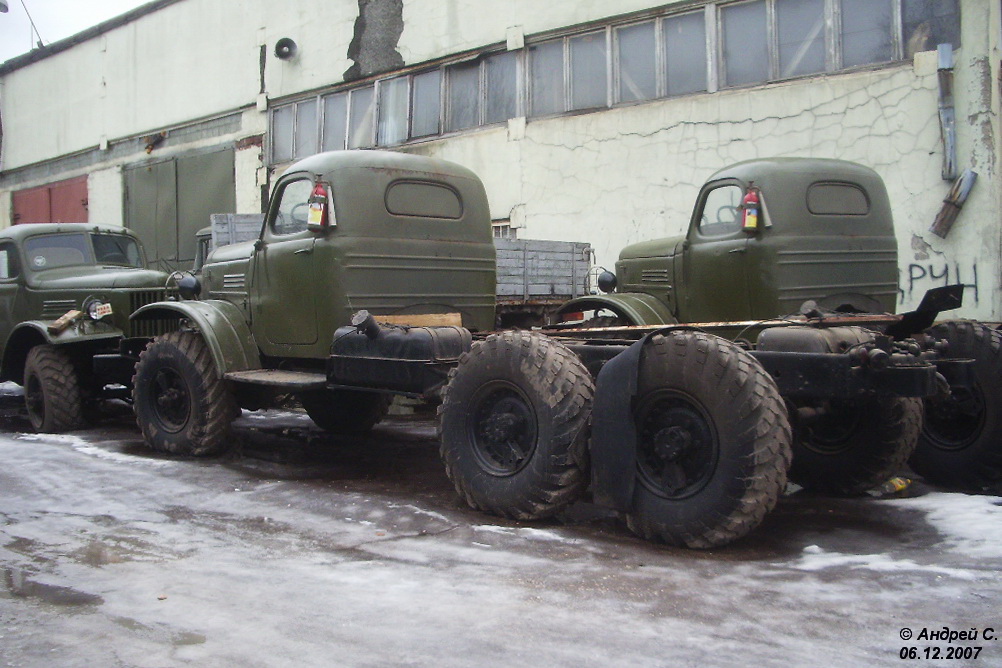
x=823 y=232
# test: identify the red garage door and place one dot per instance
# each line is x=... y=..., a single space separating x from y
x=62 y=202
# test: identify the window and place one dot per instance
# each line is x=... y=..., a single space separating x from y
x=392 y=111
x=636 y=48
x=116 y=249
x=685 y=53
x=361 y=103
x=57 y=250
x=426 y=104
x=424 y=200
x=293 y=208
x=547 y=78
x=721 y=211
x=501 y=81
x=306 y=128
x=283 y=125
x=866 y=32
x=745 y=43
x=503 y=230
x=335 y=121
x=927 y=23
x=720 y=43
x=837 y=199
x=588 y=71
x=464 y=96
x=8 y=261
x=801 y=29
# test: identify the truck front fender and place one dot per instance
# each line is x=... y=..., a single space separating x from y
x=635 y=307
x=31 y=333
x=220 y=323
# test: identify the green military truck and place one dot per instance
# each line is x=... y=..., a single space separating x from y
x=768 y=236
x=67 y=291
x=374 y=274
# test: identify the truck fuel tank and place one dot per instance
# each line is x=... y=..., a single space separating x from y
x=399 y=358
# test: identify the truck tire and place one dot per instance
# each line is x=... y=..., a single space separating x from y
x=182 y=406
x=345 y=411
x=713 y=442
x=856 y=446
x=961 y=441
x=52 y=392
x=514 y=425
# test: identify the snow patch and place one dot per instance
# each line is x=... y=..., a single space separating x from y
x=84 y=447
x=527 y=532
x=970 y=523
x=816 y=559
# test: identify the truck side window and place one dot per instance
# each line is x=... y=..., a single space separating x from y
x=8 y=261
x=293 y=207
x=721 y=211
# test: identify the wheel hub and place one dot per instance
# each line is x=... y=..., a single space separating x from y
x=503 y=429
x=677 y=447
x=673 y=443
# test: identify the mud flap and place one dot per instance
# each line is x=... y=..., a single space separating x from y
x=613 y=432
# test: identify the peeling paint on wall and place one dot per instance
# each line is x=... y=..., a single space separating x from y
x=377 y=32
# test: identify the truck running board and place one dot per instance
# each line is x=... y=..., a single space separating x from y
x=293 y=380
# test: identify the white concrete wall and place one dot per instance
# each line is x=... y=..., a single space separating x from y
x=609 y=178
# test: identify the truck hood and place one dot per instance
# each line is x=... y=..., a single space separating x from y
x=97 y=277
x=666 y=246
x=228 y=253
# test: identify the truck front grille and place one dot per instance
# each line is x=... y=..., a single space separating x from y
x=150 y=327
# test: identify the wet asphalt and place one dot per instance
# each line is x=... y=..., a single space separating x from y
x=304 y=549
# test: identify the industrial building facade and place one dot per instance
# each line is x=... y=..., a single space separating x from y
x=587 y=120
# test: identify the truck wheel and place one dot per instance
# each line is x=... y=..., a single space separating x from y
x=514 y=425
x=713 y=442
x=182 y=406
x=961 y=441
x=52 y=390
x=345 y=411
x=856 y=445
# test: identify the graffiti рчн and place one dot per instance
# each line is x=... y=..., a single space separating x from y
x=921 y=277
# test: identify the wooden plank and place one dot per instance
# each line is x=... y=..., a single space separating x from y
x=423 y=319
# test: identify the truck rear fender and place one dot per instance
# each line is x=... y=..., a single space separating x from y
x=220 y=323
x=33 y=333
x=635 y=307
x=613 y=431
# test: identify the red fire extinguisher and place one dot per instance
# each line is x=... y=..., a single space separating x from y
x=749 y=205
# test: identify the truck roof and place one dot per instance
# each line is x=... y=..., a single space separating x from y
x=23 y=230
x=323 y=163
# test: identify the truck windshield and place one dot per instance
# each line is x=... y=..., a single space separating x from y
x=62 y=250
x=116 y=249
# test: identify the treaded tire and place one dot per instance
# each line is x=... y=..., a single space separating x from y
x=345 y=411
x=857 y=446
x=52 y=392
x=514 y=423
x=713 y=442
x=182 y=406
x=961 y=441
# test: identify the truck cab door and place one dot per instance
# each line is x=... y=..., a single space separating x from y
x=715 y=270
x=285 y=289
x=10 y=287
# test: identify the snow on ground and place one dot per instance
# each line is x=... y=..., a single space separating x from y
x=970 y=523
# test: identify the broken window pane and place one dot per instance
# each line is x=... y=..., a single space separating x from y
x=745 y=39
x=306 y=128
x=281 y=133
x=362 y=103
x=392 y=111
x=637 y=49
x=588 y=71
x=427 y=103
x=335 y=121
x=866 y=32
x=801 y=27
x=464 y=96
x=547 y=78
x=928 y=23
x=685 y=53
x=502 y=87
